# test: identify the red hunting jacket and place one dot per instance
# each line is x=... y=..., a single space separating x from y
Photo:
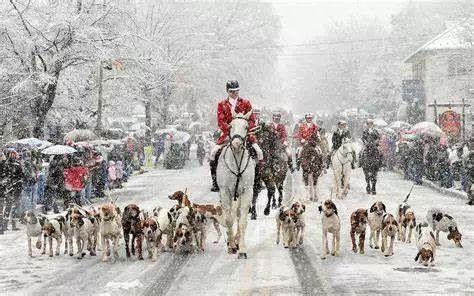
x=280 y=130
x=306 y=131
x=224 y=117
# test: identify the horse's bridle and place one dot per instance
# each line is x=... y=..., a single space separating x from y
x=239 y=172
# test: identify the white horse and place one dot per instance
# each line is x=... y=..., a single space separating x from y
x=235 y=177
x=341 y=167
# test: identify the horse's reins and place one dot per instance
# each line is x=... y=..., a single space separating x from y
x=239 y=172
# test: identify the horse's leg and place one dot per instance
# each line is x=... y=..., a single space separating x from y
x=280 y=193
x=336 y=183
x=346 y=182
x=229 y=224
x=253 y=207
x=244 y=204
x=315 y=186
x=274 y=188
x=270 y=195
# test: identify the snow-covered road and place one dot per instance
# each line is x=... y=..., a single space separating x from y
x=270 y=269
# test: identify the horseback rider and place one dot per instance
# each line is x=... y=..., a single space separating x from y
x=224 y=118
x=280 y=131
x=370 y=135
x=305 y=131
x=338 y=136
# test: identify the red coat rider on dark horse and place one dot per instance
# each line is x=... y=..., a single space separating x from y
x=224 y=118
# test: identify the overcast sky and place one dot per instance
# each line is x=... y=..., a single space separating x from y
x=303 y=20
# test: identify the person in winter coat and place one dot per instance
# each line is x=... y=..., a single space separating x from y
x=54 y=189
x=14 y=183
x=444 y=167
x=75 y=178
x=416 y=162
x=112 y=174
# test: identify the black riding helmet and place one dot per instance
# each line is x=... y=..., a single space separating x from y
x=232 y=85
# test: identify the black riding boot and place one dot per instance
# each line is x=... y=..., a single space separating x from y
x=290 y=165
x=213 y=165
x=354 y=159
x=373 y=187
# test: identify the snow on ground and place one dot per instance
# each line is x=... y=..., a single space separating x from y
x=270 y=269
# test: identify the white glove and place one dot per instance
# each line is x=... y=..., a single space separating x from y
x=303 y=141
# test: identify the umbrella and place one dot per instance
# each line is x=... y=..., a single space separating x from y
x=380 y=122
x=427 y=128
x=59 y=149
x=388 y=130
x=181 y=137
x=408 y=137
x=399 y=125
x=33 y=142
x=79 y=135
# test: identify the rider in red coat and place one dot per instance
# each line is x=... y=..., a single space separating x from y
x=306 y=130
x=280 y=130
x=224 y=118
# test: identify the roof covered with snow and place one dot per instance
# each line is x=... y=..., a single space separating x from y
x=455 y=37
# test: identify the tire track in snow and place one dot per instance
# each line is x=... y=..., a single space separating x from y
x=167 y=275
x=307 y=275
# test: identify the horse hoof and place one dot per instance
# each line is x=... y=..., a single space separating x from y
x=376 y=247
x=274 y=206
x=253 y=216
x=266 y=212
x=242 y=256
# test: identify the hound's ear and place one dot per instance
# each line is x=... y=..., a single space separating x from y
x=320 y=208
x=248 y=114
x=366 y=214
x=417 y=256
x=384 y=208
x=432 y=235
x=373 y=208
x=304 y=208
x=432 y=256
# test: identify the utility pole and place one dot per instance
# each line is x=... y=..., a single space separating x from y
x=100 y=99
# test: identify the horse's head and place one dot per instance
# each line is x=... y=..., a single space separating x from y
x=239 y=128
x=347 y=145
x=315 y=139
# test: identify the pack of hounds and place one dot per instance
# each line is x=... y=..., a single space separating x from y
x=185 y=225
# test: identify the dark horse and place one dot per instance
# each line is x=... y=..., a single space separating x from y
x=371 y=160
x=273 y=173
x=312 y=164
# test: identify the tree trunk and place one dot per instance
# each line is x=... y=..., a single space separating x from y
x=100 y=99
x=148 y=121
x=44 y=102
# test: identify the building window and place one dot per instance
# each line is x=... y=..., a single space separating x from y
x=458 y=65
x=419 y=70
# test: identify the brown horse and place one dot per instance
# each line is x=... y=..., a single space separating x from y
x=312 y=164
